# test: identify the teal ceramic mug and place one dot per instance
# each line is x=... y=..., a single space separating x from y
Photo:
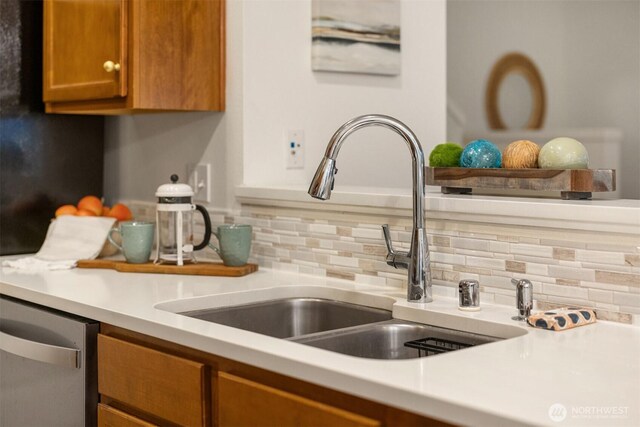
x=235 y=244
x=137 y=240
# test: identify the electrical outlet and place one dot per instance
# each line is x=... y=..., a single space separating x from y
x=200 y=181
x=295 y=149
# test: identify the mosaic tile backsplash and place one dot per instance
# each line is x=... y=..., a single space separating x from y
x=589 y=269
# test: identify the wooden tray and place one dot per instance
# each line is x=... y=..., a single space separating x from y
x=199 y=269
x=573 y=184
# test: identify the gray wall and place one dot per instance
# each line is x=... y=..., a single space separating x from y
x=588 y=53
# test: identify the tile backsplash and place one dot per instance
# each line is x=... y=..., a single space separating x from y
x=590 y=269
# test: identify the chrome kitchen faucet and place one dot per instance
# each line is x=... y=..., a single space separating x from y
x=416 y=261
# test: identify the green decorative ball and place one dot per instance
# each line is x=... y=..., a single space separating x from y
x=445 y=155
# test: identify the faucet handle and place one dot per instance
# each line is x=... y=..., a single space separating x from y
x=524 y=298
x=397 y=259
x=387 y=239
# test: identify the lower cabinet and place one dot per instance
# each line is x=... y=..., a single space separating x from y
x=144 y=381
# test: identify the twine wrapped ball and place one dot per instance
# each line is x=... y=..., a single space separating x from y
x=445 y=155
x=481 y=154
x=521 y=154
x=563 y=153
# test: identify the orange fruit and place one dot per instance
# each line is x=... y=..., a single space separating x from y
x=105 y=210
x=91 y=203
x=121 y=212
x=66 y=210
x=85 y=212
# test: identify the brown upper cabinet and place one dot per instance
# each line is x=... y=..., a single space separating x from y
x=127 y=56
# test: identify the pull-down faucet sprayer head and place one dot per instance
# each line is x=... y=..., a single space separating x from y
x=322 y=182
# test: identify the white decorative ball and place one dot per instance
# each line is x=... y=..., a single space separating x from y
x=563 y=153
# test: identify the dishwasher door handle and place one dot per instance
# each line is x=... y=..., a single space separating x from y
x=52 y=354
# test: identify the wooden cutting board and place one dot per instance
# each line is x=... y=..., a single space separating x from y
x=198 y=269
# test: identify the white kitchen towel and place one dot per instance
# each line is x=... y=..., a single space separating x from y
x=34 y=264
x=68 y=239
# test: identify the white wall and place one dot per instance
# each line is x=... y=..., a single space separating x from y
x=282 y=92
x=142 y=151
x=588 y=53
x=271 y=88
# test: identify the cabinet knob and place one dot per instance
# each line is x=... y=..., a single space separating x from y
x=110 y=66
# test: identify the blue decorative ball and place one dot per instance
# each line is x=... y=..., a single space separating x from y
x=481 y=154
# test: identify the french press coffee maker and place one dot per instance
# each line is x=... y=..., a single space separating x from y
x=174 y=224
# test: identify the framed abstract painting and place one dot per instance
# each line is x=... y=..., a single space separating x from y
x=355 y=36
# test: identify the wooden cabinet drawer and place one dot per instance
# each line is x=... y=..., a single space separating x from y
x=157 y=383
x=246 y=403
x=111 y=417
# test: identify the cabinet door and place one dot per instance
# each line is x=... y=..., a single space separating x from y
x=111 y=417
x=80 y=37
x=247 y=403
x=154 y=382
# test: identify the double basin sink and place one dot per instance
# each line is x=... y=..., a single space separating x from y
x=342 y=327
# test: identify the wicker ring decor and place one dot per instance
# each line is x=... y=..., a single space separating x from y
x=515 y=63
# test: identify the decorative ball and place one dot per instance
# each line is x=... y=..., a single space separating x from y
x=520 y=155
x=445 y=155
x=481 y=154
x=563 y=153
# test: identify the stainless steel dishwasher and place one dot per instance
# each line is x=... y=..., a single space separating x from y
x=48 y=366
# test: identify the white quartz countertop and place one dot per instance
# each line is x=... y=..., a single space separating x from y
x=593 y=372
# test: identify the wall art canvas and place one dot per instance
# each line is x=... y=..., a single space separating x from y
x=356 y=36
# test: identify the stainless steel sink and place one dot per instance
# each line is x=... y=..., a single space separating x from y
x=346 y=328
x=292 y=317
x=395 y=339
